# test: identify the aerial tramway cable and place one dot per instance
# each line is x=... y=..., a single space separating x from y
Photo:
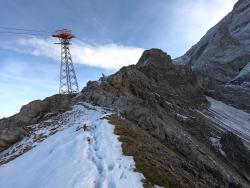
x=5 y=31
x=28 y=32
x=22 y=33
x=21 y=29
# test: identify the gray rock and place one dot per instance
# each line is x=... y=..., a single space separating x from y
x=236 y=152
x=12 y=129
x=11 y=135
x=223 y=53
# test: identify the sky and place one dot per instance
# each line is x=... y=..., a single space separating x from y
x=110 y=34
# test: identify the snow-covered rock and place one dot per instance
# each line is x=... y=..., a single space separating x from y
x=243 y=75
x=215 y=141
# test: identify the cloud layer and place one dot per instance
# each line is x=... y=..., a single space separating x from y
x=107 y=56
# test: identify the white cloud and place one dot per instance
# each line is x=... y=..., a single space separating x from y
x=108 y=56
x=21 y=82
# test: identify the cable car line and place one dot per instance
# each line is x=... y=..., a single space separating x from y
x=21 y=29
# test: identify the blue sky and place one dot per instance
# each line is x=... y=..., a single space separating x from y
x=111 y=34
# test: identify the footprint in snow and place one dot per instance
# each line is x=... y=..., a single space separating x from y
x=111 y=166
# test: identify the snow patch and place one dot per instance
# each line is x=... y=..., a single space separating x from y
x=181 y=118
x=146 y=62
x=39 y=132
x=156 y=186
x=246 y=84
x=215 y=141
x=243 y=72
x=184 y=118
x=75 y=157
x=229 y=118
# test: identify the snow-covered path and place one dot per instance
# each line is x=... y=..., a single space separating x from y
x=229 y=118
x=75 y=158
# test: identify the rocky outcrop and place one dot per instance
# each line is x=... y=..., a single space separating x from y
x=11 y=135
x=222 y=57
x=12 y=129
x=154 y=78
x=158 y=102
x=236 y=152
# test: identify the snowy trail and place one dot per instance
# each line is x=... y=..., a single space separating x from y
x=75 y=158
x=229 y=118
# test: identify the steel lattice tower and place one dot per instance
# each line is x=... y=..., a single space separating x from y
x=68 y=80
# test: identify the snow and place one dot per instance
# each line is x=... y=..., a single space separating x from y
x=243 y=72
x=84 y=153
x=39 y=132
x=146 y=62
x=246 y=84
x=169 y=103
x=215 y=141
x=156 y=186
x=229 y=118
x=181 y=117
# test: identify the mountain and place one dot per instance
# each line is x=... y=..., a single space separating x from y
x=173 y=132
x=159 y=123
x=223 y=57
x=177 y=136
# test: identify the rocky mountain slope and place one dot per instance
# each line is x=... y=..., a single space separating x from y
x=163 y=120
x=223 y=57
x=160 y=104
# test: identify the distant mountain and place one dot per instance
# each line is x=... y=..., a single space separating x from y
x=223 y=57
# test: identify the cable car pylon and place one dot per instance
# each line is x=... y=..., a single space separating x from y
x=68 y=80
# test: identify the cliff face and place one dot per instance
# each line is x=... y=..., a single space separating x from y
x=223 y=57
